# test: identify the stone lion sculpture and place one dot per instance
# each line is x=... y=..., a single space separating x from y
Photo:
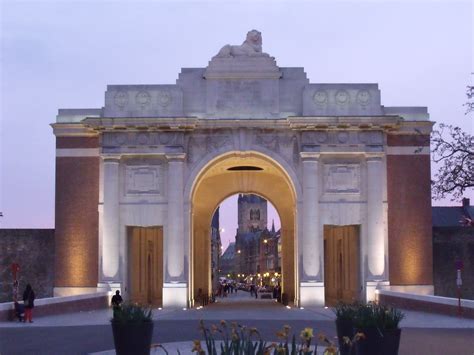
x=252 y=47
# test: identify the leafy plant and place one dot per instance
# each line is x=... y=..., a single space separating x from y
x=390 y=318
x=242 y=340
x=373 y=315
x=132 y=313
x=365 y=316
x=345 y=311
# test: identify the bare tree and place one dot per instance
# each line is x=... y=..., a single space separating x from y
x=470 y=99
x=453 y=149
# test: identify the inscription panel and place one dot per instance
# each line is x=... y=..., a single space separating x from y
x=143 y=180
x=243 y=98
x=342 y=178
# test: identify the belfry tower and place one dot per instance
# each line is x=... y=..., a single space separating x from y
x=252 y=213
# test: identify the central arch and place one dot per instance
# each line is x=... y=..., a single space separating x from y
x=229 y=174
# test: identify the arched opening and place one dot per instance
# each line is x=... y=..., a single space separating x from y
x=228 y=175
x=245 y=249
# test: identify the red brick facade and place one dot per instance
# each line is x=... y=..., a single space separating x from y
x=77 y=142
x=77 y=218
x=409 y=215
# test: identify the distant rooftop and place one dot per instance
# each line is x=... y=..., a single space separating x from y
x=452 y=216
x=229 y=253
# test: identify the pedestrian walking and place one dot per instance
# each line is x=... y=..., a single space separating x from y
x=29 y=302
x=116 y=301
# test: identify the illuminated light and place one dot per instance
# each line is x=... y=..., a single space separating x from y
x=276 y=273
x=326 y=307
x=184 y=309
x=265 y=241
x=238 y=251
x=228 y=275
x=159 y=308
x=301 y=307
x=259 y=275
x=288 y=307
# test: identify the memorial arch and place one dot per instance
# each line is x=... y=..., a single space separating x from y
x=137 y=181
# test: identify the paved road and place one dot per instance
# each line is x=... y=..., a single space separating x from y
x=90 y=331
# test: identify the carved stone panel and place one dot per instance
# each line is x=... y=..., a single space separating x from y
x=143 y=180
x=342 y=178
x=117 y=139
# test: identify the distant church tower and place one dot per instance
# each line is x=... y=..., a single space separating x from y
x=252 y=213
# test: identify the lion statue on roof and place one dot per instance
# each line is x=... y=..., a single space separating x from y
x=252 y=47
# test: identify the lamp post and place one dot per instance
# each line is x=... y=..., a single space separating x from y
x=459 y=266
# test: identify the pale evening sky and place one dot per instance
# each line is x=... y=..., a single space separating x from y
x=62 y=54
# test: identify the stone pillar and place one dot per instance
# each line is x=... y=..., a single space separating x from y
x=310 y=246
x=110 y=238
x=311 y=291
x=175 y=288
x=375 y=228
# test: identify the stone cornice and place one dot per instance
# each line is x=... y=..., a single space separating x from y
x=415 y=128
x=72 y=130
x=392 y=124
x=345 y=122
x=145 y=123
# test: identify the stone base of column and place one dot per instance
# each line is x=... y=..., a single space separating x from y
x=371 y=286
x=175 y=295
x=110 y=286
x=311 y=294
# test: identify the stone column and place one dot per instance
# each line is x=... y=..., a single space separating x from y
x=375 y=208
x=175 y=223
x=175 y=288
x=310 y=246
x=110 y=236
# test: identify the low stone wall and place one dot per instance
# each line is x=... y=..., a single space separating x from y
x=426 y=303
x=33 y=250
x=60 y=305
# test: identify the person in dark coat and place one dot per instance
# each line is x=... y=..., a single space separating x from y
x=29 y=302
x=116 y=301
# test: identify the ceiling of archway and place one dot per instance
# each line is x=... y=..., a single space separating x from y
x=217 y=183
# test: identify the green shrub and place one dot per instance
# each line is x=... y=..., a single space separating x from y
x=373 y=315
x=345 y=311
x=132 y=313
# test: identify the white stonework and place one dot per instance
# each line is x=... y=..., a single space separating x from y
x=330 y=139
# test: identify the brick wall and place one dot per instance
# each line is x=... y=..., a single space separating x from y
x=33 y=250
x=449 y=243
x=409 y=214
x=77 y=218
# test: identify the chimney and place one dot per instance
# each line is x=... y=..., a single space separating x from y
x=466 y=202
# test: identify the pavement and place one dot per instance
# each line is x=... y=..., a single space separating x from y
x=90 y=332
